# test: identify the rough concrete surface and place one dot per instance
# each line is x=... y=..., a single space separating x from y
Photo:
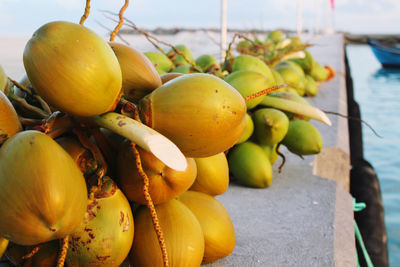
x=302 y=219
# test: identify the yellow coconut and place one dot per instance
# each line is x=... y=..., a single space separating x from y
x=170 y=76
x=73 y=69
x=212 y=175
x=3 y=246
x=200 y=113
x=105 y=235
x=139 y=76
x=218 y=230
x=3 y=79
x=183 y=237
x=9 y=122
x=43 y=194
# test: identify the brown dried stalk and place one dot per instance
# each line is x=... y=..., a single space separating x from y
x=120 y=22
x=86 y=14
x=150 y=37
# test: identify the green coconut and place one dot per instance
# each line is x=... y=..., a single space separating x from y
x=311 y=86
x=249 y=165
x=276 y=36
x=270 y=151
x=207 y=63
x=249 y=82
x=291 y=76
x=160 y=61
x=270 y=125
x=318 y=72
x=184 y=69
x=303 y=138
x=248 y=62
x=306 y=63
x=178 y=59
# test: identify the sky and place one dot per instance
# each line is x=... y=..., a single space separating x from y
x=23 y=17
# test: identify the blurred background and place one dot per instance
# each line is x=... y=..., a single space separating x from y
x=20 y=17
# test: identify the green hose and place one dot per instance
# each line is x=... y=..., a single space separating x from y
x=358 y=207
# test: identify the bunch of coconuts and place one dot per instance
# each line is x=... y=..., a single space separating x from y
x=279 y=118
x=92 y=138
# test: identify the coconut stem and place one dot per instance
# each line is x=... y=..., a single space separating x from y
x=150 y=205
x=22 y=103
x=53 y=126
x=20 y=86
x=86 y=14
x=121 y=21
x=46 y=109
x=295 y=107
x=29 y=122
x=280 y=155
x=264 y=92
x=283 y=52
x=145 y=137
x=33 y=252
x=229 y=50
x=86 y=143
x=104 y=143
x=129 y=109
x=63 y=252
x=255 y=44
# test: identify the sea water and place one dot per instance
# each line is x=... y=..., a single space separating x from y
x=377 y=91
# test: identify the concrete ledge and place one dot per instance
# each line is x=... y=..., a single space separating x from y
x=302 y=219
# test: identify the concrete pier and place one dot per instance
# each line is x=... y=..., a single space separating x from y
x=305 y=218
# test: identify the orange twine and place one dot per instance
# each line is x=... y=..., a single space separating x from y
x=33 y=252
x=150 y=205
x=264 y=92
x=63 y=253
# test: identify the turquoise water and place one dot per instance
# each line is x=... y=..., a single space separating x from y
x=377 y=91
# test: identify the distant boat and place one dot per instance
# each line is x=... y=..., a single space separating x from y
x=388 y=54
